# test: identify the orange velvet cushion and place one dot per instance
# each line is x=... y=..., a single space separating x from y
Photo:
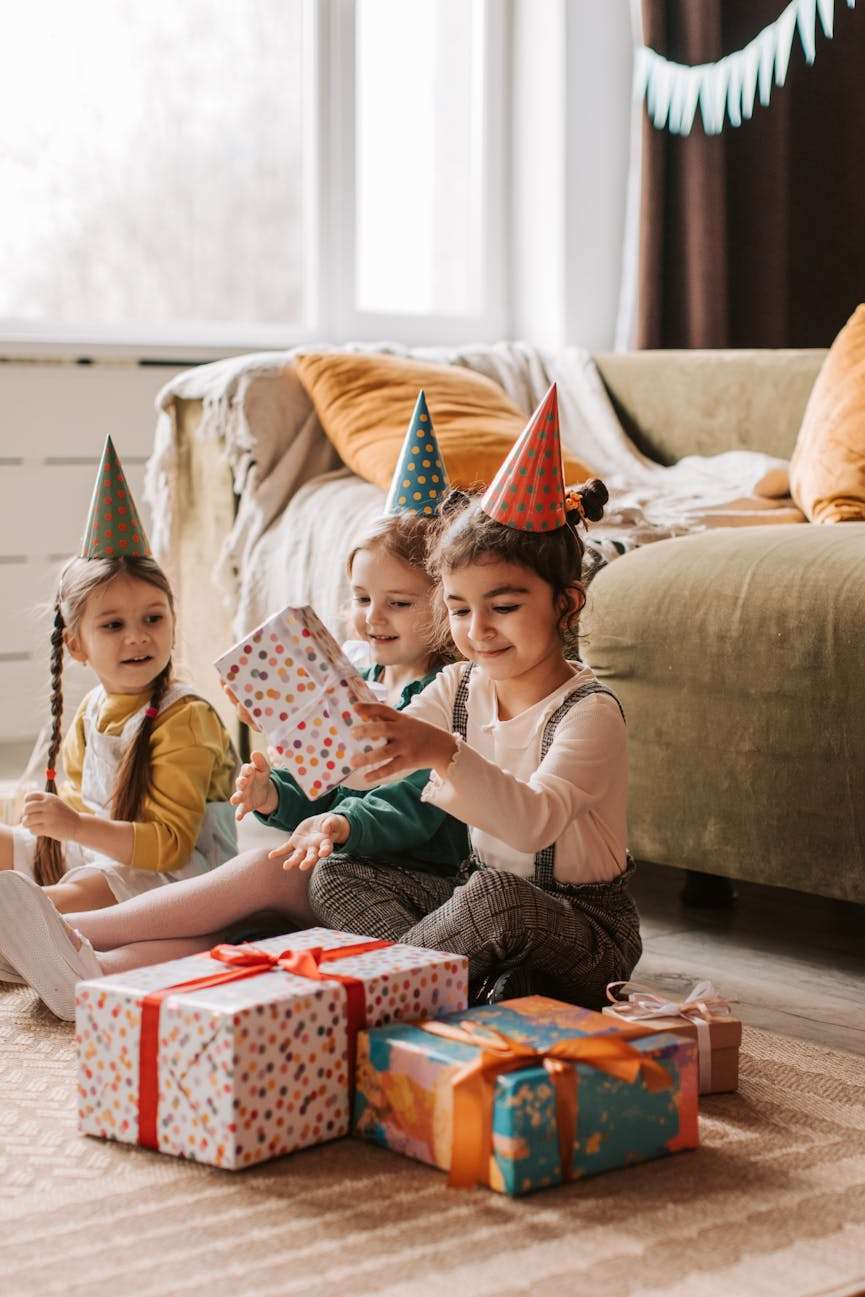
x=365 y=402
x=827 y=471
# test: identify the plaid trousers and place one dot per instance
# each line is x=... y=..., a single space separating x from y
x=571 y=940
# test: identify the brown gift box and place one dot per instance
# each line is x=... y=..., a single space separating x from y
x=719 y=1072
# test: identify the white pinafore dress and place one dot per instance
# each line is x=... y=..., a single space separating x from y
x=217 y=837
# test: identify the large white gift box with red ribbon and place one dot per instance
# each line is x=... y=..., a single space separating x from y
x=248 y=1052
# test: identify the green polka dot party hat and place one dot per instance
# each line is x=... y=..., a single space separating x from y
x=419 y=479
x=113 y=526
x=528 y=491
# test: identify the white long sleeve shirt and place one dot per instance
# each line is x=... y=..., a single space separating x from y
x=514 y=803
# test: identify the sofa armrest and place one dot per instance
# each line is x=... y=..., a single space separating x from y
x=205 y=510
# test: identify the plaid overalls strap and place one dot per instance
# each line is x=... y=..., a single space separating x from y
x=545 y=861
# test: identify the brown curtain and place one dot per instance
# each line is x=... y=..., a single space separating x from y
x=755 y=237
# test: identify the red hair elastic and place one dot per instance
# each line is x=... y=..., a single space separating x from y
x=151 y=712
x=50 y=773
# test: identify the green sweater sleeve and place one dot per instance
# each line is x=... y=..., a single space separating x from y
x=294 y=805
x=391 y=819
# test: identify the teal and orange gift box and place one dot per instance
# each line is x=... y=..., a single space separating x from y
x=526 y=1094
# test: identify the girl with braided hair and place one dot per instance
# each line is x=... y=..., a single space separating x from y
x=148 y=766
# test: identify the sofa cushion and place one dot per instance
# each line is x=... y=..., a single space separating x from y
x=827 y=471
x=737 y=657
x=365 y=402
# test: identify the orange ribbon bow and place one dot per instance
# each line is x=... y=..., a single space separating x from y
x=243 y=962
x=474 y=1086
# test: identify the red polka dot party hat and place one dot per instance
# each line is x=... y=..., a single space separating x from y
x=528 y=491
x=113 y=526
x=419 y=479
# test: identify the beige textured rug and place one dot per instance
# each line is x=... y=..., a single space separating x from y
x=772 y=1203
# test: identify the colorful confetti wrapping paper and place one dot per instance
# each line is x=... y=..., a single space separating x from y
x=300 y=689
x=252 y=1069
x=404 y=1097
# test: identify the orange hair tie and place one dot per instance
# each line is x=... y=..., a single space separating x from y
x=574 y=503
x=50 y=773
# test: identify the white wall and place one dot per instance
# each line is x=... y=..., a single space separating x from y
x=54 y=418
x=571 y=131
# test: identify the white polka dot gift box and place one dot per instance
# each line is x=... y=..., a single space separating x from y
x=299 y=689
x=248 y=1052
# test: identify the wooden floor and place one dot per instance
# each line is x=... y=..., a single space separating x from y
x=795 y=963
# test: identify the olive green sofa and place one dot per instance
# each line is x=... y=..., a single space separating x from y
x=738 y=654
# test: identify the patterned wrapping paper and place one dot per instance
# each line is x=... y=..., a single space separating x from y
x=251 y=1069
x=404 y=1097
x=300 y=689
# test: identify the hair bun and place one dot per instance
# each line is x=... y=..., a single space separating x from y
x=587 y=501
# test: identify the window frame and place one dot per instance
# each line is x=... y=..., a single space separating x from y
x=329 y=234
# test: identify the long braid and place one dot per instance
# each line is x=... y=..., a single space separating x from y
x=133 y=777
x=48 y=858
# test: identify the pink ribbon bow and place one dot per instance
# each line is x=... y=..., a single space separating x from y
x=702 y=1005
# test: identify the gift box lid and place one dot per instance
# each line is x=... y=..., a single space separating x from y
x=724 y=1032
x=269 y=988
x=534 y=1020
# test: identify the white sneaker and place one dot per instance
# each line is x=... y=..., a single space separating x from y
x=37 y=943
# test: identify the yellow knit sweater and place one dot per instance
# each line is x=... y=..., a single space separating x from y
x=191 y=763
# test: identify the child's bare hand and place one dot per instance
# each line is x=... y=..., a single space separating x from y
x=254 y=789
x=409 y=745
x=312 y=840
x=47 y=815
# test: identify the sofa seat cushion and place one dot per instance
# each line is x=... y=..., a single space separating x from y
x=364 y=402
x=738 y=658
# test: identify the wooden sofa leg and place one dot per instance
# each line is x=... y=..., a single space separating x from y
x=708 y=891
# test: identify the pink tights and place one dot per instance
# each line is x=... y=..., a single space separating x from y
x=188 y=917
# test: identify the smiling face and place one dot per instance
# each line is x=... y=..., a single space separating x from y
x=126 y=634
x=502 y=616
x=391 y=608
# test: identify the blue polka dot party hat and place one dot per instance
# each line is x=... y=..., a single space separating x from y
x=528 y=491
x=113 y=525
x=419 y=479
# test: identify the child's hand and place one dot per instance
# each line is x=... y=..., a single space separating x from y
x=46 y=814
x=242 y=713
x=410 y=744
x=312 y=840
x=254 y=790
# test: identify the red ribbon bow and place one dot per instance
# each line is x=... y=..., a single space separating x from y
x=243 y=962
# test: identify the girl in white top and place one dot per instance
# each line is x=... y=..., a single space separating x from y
x=529 y=750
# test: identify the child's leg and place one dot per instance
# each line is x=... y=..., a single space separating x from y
x=500 y=920
x=198 y=906
x=88 y=890
x=374 y=900
x=142 y=954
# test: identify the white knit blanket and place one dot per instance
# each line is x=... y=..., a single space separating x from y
x=299 y=507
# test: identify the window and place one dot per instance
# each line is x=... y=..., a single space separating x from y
x=244 y=171
x=152 y=164
x=419 y=156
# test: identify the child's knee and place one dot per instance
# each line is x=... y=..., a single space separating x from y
x=495 y=890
